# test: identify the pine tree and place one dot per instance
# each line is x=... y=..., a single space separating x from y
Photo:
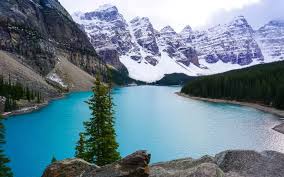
x=100 y=144
x=80 y=148
x=53 y=160
x=38 y=97
x=5 y=171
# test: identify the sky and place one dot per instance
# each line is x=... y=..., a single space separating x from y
x=199 y=14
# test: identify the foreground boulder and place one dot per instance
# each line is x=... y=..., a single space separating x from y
x=225 y=164
x=68 y=168
x=204 y=167
x=251 y=163
x=134 y=165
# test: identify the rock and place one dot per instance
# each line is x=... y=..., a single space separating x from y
x=270 y=40
x=251 y=163
x=279 y=128
x=38 y=32
x=2 y=104
x=237 y=163
x=204 y=167
x=68 y=168
x=144 y=34
x=134 y=165
x=225 y=164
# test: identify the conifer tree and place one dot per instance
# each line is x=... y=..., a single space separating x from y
x=53 y=159
x=80 y=148
x=100 y=144
x=5 y=171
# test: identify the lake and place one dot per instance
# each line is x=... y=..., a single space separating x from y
x=153 y=118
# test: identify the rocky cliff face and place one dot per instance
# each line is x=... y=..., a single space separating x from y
x=39 y=32
x=225 y=164
x=149 y=54
x=229 y=43
x=108 y=33
x=146 y=53
x=270 y=38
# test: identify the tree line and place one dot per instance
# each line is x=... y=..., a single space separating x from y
x=263 y=84
x=15 y=91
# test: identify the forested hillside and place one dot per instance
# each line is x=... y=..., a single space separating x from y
x=174 y=79
x=262 y=84
x=14 y=92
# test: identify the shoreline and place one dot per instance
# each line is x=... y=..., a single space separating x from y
x=279 y=113
x=30 y=109
x=36 y=107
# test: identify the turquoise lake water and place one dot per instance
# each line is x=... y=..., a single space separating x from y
x=147 y=117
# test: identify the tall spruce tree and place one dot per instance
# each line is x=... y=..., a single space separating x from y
x=5 y=171
x=100 y=144
x=53 y=159
x=80 y=148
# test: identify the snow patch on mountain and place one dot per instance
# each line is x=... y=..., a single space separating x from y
x=149 y=54
x=270 y=38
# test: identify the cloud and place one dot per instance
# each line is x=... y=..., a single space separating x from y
x=179 y=13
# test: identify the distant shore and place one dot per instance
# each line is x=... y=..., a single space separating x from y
x=274 y=111
x=25 y=110
x=31 y=108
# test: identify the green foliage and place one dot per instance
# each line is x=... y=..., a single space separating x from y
x=121 y=77
x=5 y=171
x=262 y=84
x=80 y=147
x=98 y=143
x=174 y=79
x=16 y=91
x=53 y=160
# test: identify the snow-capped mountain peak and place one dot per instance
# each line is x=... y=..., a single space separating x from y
x=240 y=20
x=186 y=30
x=167 y=30
x=107 y=8
x=149 y=54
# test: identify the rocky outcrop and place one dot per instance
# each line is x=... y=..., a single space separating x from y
x=226 y=164
x=2 y=104
x=270 y=38
x=251 y=163
x=204 y=167
x=39 y=31
x=69 y=168
x=237 y=163
x=134 y=165
x=279 y=128
x=174 y=46
x=232 y=43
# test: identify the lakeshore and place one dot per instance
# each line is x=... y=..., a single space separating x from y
x=33 y=107
x=280 y=113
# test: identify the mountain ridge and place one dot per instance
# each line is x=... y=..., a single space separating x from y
x=150 y=54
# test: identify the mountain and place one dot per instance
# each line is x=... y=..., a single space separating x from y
x=270 y=38
x=145 y=52
x=229 y=43
x=150 y=54
x=44 y=49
